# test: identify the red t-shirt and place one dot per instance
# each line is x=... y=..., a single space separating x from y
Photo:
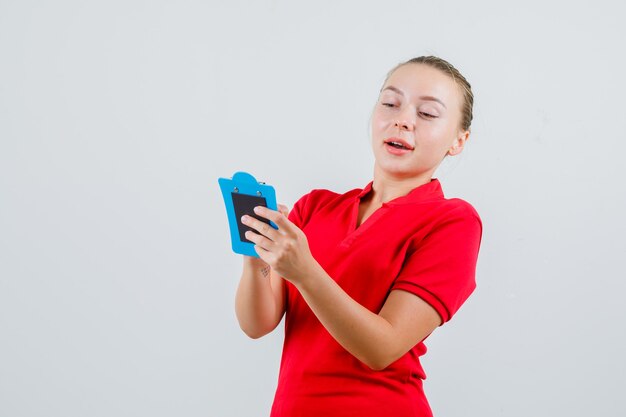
x=422 y=243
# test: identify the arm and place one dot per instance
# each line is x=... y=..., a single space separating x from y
x=375 y=339
x=259 y=301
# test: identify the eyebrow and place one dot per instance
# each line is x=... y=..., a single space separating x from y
x=397 y=90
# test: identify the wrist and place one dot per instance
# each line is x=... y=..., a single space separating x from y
x=253 y=261
x=256 y=266
x=310 y=276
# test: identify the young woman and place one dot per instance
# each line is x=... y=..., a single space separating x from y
x=364 y=277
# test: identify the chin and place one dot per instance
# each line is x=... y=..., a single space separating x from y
x=396 y=170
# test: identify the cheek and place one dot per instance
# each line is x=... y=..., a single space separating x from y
x=378 y=122
x=436 y=133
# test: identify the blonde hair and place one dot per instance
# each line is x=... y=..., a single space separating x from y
x=447 y=68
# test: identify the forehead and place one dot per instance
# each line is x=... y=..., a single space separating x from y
x=418 y=79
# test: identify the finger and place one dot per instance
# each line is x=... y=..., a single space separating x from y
x=261 y=227
x=259 y=240
x=283 y=209
x=263 y=254
x=278 y=218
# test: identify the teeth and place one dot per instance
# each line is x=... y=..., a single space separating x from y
x=397 y=145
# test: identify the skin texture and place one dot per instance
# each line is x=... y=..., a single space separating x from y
x=431 y=130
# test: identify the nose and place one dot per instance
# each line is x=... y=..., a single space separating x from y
x=404 y=121
x=403 y=125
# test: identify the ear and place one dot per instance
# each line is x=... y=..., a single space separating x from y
x=459 y=143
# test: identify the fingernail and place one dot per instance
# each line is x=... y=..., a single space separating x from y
x=257 y=209
x=244 y=218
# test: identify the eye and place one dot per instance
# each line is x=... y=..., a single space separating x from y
x=388 y=104
x=427 y=115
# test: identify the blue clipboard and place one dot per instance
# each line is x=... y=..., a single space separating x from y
x=241 y=194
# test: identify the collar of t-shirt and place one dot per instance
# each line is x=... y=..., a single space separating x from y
x=425 y=192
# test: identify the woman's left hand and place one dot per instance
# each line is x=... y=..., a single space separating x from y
x=286 y=250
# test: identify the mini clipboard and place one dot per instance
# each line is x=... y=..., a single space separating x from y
x=242 y=193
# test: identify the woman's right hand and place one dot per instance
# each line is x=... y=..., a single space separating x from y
x=259 y=302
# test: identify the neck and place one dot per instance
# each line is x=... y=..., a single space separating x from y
x=386 y=187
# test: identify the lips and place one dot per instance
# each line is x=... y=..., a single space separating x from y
x=399 y=143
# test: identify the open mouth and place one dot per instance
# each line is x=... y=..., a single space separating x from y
x=398 y=145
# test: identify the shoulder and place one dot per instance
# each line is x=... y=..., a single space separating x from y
x=457 y=220
x=316 y=200
x=450 y=220
x=457 y=208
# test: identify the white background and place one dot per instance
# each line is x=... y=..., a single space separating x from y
x=116 y=119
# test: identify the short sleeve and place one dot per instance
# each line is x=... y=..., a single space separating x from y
x=307 y=205
x=441 y=267
x=298 y=212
